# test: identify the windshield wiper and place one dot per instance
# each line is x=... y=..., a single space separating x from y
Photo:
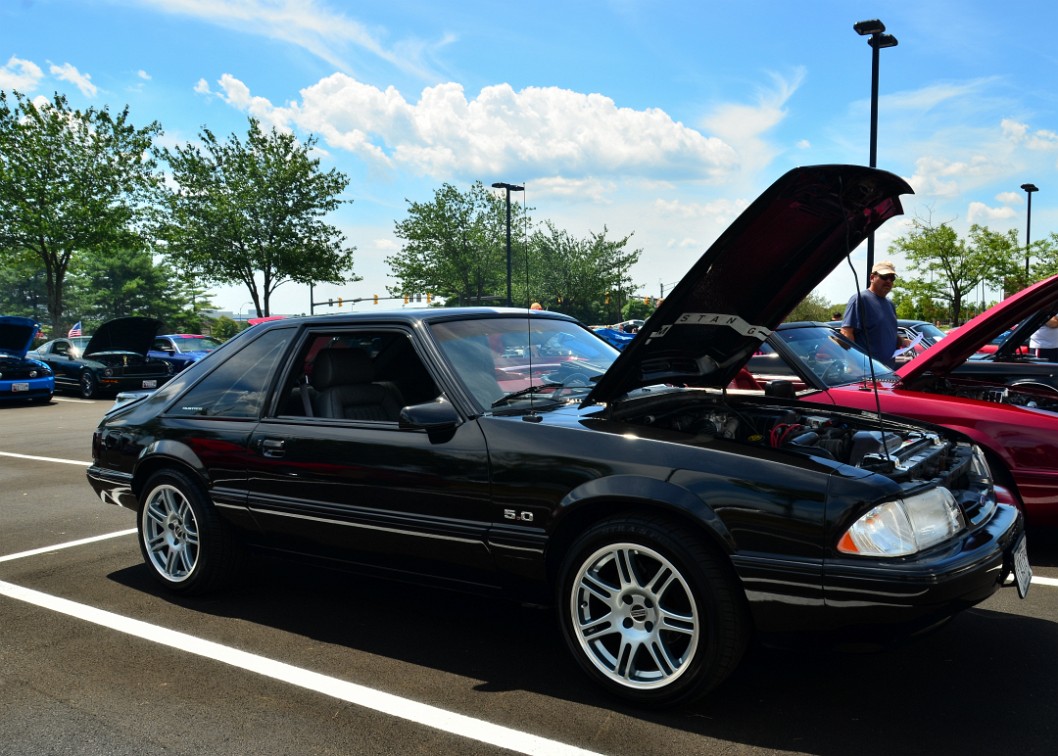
x=550 y=388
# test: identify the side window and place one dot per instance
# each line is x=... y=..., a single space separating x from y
x=60 y=349
x=356 y=375
x=237 y=387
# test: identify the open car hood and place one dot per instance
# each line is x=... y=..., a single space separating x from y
x=16 y=334
x=752 y=277
x=1030 y=307
x=133 y=334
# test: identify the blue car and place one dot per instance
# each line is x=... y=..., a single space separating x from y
x=22 y=378
x=182 y=349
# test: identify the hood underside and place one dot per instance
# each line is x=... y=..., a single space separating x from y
x=132 y=334
x=16 y=334
x=752 y=277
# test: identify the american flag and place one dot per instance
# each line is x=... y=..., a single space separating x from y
x=76 y=330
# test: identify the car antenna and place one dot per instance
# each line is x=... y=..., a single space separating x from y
x=531 y=416
x=867 y=346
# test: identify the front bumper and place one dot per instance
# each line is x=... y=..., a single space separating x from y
x=877 y=597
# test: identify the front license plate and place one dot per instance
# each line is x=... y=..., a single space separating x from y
x=1022 y=570
x=150 y=384
x=20 y=387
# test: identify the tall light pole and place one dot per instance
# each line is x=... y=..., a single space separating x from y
x=509 y=188
x=874 y=30
x=1029 y=189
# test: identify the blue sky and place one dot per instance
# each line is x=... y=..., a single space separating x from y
x=657 y=119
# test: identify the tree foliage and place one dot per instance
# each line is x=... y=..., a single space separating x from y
x=455 y=247
x=251 y=213
x=129 y=282
x=586 y=278
x=71 y=182
x=949 y=268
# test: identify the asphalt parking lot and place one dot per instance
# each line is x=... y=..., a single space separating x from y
x=94 y=659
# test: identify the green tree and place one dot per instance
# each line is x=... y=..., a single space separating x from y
x=586 y=278
x=949 y=269
x=455 y=247
x=129 y=282
x=71 y=181
x=246 y=209
x=23 y=287
x=814 y=307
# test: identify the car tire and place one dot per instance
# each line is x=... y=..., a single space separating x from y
x=186 y=544
x=650 y=612
x=88 y=385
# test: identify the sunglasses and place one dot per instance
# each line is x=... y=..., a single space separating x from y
x=887 y=277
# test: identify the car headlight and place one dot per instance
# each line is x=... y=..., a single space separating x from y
x=905 y=526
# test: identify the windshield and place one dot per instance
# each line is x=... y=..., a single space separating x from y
x=832 y=358
x=499 y=359
x=929 y=331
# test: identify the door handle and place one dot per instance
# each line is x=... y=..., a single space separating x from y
x=272 y=447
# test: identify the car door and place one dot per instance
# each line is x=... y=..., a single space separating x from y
x=403 y=500
x=58 y=357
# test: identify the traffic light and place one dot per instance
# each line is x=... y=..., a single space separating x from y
x=339 y=301
x=646 y=300
x=607 y=297
x=376 y=299
x=330 y=303
x=429 y=297
x=405 y=299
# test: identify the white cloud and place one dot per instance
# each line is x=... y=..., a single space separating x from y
x=982 y=214
x=309 y=24
x=537 y=132
x=143 y=75
x=23 y=75
x=67 y=72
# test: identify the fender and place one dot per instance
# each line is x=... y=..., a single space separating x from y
x=635 y=490
x=155 y=451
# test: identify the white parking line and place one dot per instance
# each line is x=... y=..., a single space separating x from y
x=67 y=545
x=385 y=703
x=45 y=459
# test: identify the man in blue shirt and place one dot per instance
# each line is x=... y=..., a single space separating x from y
x=870 y=318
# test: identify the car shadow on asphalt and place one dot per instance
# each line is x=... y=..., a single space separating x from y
x=985 y=683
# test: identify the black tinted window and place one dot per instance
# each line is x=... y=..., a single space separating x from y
x=237 y=387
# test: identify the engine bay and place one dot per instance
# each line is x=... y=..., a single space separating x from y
x=898 y=451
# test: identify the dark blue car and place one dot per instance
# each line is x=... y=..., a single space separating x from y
x=181 y=349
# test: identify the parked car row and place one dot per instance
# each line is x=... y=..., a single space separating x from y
x=124 y=354
x=668 y=518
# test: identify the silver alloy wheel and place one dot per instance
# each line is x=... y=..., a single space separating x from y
x=170 y=533
x=635 y=616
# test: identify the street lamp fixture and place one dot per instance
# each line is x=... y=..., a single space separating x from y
x=509 y=188
x=877 y=39
x=1029 y=189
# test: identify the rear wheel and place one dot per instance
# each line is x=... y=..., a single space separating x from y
x=188 y=547
x=650 y=612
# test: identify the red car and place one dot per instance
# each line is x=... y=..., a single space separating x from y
x=1012 y=411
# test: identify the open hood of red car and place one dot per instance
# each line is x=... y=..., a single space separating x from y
x=132 y=334
x=753 y=276
x=1030 y=307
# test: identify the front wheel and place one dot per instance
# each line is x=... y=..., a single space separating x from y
x=649 y=611
x=188 y=547
x=89 y=385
